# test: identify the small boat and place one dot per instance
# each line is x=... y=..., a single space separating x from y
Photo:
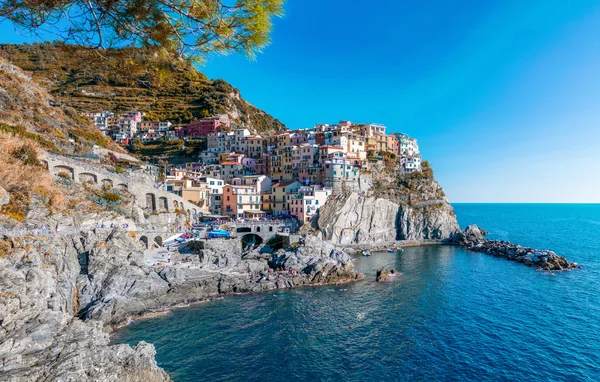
x=366 y=253
x=391 y=250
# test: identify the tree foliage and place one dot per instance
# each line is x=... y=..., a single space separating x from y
x=190 y=28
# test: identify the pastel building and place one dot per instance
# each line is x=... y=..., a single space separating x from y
x=280 y=193
x=205 y=126
x=307 y=201
x=241 y=201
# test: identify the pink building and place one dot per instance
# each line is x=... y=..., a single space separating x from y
x=250 y=163
x=203 y=127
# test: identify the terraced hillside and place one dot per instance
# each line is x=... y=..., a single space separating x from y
x=126 y=79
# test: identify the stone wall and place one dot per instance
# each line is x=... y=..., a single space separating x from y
x=138 y=184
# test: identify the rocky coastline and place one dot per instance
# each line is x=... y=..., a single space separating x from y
x=63 y=294
x=473 y=239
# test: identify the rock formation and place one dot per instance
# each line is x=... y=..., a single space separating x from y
x=405 y=207
x=58 y=292
x=473 y=239
x=40 y=336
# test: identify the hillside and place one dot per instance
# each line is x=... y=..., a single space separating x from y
x=127 y=79
x=25 y=111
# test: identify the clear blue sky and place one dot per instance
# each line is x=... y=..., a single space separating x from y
x=503 y=96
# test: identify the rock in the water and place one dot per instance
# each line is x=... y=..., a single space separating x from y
x=384 y=275
x=473 y=239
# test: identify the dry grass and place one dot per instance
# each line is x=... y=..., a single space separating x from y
x=22 y=176
x=5 y=248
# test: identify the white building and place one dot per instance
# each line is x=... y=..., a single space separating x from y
x=209 y=156
x=261 y=183
x=407 y=146
x=339 y=170
x=101 y=119
x=410 y=163
x=216 y=194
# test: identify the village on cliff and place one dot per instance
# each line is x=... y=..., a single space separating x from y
x=245 y=175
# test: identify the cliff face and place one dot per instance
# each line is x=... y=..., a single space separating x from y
x=41 y=337
x=405 y=207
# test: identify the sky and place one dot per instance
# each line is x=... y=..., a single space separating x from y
x=503 y=96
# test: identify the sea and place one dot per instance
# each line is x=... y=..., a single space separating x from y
x=450 y=315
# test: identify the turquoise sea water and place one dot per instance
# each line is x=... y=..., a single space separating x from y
x=451 y=315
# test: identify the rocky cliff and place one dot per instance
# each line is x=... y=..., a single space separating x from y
x=398 y=207
x=60 y=289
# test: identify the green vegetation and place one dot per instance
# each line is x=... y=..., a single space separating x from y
x=173 y=27
x=91 y=135
x=426 y=169
x=22 y=132
x=26 y=154
x=175 y=151
x=133 y=79
x=111 y=196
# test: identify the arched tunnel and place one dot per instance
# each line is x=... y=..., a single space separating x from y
x=251 y=240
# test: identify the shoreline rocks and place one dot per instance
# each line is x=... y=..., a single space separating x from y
x=61 y=294
x=473 y=239
x=385 y=275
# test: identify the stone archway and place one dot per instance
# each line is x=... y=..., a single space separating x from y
x=158 y=240
x=60 y=170
x=163 y=204
x=175 y=204
x=144 y=241
x=251 y=240
x=88 y=177
x=150 y=202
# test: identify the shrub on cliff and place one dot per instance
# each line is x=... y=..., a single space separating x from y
x=22 y=176
x=26 y=154
x=426 y=169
